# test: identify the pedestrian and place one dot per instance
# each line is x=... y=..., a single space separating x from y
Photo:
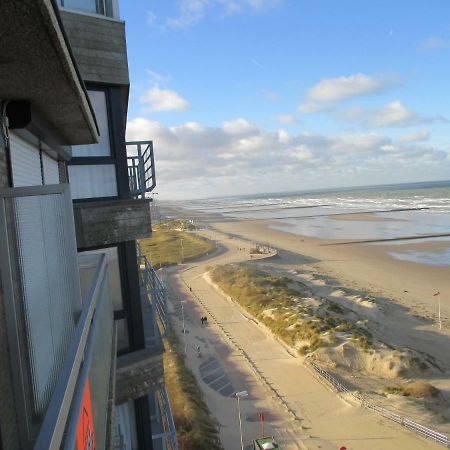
x=202 y=320
x=205 y=320
x=190 y=289
x=198 y=350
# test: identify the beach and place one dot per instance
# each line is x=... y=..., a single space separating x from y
x=373 y=265
x=364 y=266
x=325 y=419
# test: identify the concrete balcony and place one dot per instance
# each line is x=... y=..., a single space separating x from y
x=106 y=222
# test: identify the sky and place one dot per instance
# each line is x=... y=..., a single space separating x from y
x=254 y=96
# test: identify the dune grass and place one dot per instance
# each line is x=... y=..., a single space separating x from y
x=416 y=389
x=280 y=307
x=164 y=248
x=196 y=429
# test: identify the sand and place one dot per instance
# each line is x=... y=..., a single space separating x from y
x=403 y=313
x=365 y=267
x=326 y=420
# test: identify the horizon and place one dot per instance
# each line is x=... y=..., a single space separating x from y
x=333 y=95
x=325 y=190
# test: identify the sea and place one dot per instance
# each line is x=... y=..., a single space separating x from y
x=400 y=214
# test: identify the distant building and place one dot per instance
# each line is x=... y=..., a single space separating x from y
x=80 y=349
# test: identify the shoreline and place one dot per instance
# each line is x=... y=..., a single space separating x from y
x=359 y=264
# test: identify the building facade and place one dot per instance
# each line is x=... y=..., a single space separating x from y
x=80 y=344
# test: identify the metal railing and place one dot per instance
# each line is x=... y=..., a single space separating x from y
x=154 y=291
x=141 y=168
x=82 y=373
x=165 y=436
x=428 y=433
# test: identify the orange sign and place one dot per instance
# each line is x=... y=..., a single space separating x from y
x=85 y=432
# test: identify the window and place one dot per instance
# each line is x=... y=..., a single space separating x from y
x=108 y=8
x=91 y=181
x=103 y=148
x=82 y=5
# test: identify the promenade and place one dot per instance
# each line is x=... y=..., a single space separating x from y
x=238 y=354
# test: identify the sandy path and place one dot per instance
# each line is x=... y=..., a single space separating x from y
x=328 y=421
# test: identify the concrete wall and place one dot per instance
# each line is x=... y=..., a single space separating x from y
x=110 y=222
x=99 y=47
x=139 y=373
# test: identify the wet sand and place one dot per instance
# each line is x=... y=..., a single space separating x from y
x=366 y=267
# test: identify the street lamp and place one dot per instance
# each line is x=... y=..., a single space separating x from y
x=182 y=251
x=238 y=395
x=184 y=327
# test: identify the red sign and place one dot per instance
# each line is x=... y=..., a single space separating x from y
x=85 y=432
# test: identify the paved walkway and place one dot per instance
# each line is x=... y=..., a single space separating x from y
x=233 y=342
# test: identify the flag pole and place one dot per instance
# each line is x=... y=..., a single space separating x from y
x=439 y=303
x=438 y=295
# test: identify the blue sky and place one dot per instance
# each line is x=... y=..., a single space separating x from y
x=246 y=96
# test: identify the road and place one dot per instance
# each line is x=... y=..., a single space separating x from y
x=237 y=354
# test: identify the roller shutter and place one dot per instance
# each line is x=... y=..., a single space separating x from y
x=51 y=172
x=25 y=162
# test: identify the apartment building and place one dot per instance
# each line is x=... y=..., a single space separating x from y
x=81 y=353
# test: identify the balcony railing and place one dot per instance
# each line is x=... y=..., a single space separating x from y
x=79 y=405
x=164 y=435
x=141 y=168
x=154 y=292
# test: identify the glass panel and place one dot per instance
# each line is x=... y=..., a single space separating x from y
x=90 y=181
x=99 y=371
x=112 y=260
x=82 y=5
x=125 y=434
x=123 y=341
x=103 y=148
x=48 y=289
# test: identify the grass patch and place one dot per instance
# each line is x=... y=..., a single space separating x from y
x=416 y=389
x=164 y=247
x=273 y=302
x=196 y=429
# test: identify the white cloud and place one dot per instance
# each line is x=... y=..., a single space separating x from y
x=287 y=119
x=151 y=17
x=191 y=12
x=270 y=95
x=328 y=91
x=195 y=160
x=157 y=78
x=393 y=114
x=163 y=100
x=239 y=127
x=314 y=107
x=334 y=89
x=420 y=136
